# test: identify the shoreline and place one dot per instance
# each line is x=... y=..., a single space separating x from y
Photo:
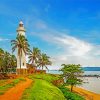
x=86 y=93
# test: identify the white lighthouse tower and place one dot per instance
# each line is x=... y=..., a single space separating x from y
x=21 y=31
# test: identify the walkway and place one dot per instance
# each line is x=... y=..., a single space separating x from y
x=16 y=92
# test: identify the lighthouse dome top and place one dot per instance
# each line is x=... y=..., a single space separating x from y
x=21 y=22
x=21 y=27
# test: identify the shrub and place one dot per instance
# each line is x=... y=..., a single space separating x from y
x=70 y=95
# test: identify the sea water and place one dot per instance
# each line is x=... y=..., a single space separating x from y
x=85 y=72
x=91 y=83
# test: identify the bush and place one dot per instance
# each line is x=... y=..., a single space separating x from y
x=3 y=76
x=70 y=95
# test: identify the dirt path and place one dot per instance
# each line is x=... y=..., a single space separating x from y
x=15 y=93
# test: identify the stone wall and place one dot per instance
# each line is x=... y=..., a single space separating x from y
x=22 y=71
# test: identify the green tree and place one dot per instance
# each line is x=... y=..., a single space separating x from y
x=1 y=59
x=21 y=44
x=6 y=61
x=12 y=63
x=44 y=61
x=34 y=55
x=1 y=52
x=71 y=73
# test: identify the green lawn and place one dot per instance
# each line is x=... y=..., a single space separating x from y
x=43 y=89
x=2 y=82
x=47 y=77
x=5 y=87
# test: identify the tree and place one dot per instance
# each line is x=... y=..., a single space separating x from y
x=6 y=61
x=44 y=61
x=12 y=63
x=71 y=73
x=34 y=55
x=21 y=44
x=1 y=59
x=1 y=52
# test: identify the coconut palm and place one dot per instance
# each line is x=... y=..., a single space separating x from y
x=1 y=52
x=1 y=58
x=6 y=61
x=21 y=44
x=44 y=61
x=12 y=62
x=34 y=56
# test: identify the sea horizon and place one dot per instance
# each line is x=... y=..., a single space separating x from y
x=85 y=72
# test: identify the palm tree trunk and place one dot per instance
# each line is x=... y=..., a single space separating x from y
x=20 y=64
x=42 y=67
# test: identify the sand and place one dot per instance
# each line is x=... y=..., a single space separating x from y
x=16 y=92
x=87 y=94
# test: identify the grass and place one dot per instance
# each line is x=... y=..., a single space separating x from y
x=5 y=87
x=47 y=77
x=2 y=82
x=43 y=89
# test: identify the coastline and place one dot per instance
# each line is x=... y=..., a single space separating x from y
x=87 y=94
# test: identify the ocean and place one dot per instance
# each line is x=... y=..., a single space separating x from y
x=91 y=83
x=85 y=72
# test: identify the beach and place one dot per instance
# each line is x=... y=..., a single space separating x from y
x=87 y=94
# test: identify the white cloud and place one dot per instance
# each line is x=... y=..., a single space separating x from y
x=76 y=47
x=78 y=51
x=74 y=50
x=3 y=39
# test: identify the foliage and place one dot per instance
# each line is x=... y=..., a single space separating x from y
x=42 y=89
x=71 y=73
x=7 y=62
x=44 y=61
x=70 y=95
x=21 y=44
x=39 y=60
x=34 y=55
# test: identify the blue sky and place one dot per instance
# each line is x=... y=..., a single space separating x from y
x=67 y=30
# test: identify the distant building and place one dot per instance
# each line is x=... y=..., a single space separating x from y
x=21 y=31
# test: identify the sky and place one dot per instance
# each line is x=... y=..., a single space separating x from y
x=66 y=30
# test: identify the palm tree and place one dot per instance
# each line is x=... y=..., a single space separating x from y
x=34 y=56
x=1 y=52
x=5 y=61
x=21 y=44
x=1 y=59
x=44 y=61
x=12 y=62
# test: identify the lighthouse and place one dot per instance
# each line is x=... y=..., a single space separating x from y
x=21 y=31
